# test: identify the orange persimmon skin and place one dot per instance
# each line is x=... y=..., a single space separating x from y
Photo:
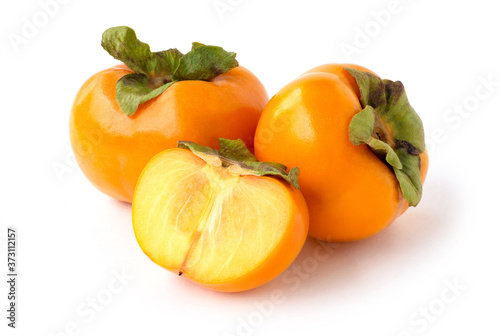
x=112 y=148
x=350 y=192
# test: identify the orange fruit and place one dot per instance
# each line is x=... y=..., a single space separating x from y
x=359 y=144
x=125 y=115
x=216 y=219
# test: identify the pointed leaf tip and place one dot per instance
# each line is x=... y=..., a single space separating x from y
x=134 y=89
x=236 y=150
x=205 y=63
x=362 y=125
x=392 y=129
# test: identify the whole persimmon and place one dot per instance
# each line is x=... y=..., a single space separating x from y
x=220 y=218
x=123 y=116
x=358 y=142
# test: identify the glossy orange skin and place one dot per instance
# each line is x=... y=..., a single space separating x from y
x=112 y=148
x=351 y=193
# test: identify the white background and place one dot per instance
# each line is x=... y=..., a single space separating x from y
x=73 y=240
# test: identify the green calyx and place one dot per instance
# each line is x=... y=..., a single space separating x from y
x=154 y=72
x=235 y=156
x=391 y=128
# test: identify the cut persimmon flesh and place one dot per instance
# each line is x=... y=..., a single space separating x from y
x=214 y=224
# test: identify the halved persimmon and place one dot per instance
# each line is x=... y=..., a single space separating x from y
x=219 y=218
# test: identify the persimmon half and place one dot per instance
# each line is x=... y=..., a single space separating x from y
x=123 y=116
x=358 y=142
x=220 y=218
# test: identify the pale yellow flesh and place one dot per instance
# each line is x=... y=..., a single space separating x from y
x=206 y=222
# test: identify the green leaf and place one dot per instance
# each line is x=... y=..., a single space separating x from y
x=167 y=61
x=392 y=108
x=134 y=89
x=405 y=122
x=122 y=43
x=235 y=156
x=205 y=63
x=361 y=126
x=268 y=168
x=409 y=177
x=154 y=72
x=235 y=150
x=384 y=150
x=197 y=149
x=392 y=129
x=196 y=45
x=360 y=131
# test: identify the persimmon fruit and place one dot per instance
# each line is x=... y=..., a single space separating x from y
x=359 y=144
x=219 y=218
x=123 y=116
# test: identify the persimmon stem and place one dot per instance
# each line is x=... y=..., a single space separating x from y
x=158 y=81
